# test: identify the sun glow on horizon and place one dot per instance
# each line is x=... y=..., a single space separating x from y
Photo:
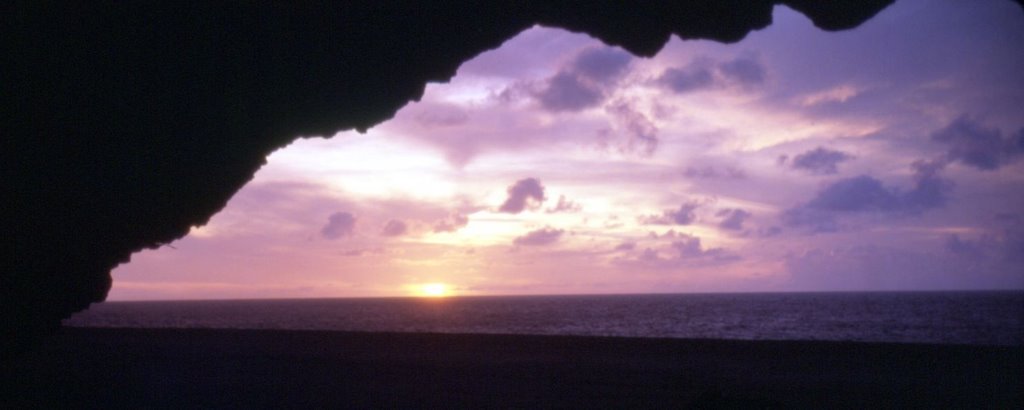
x=433 y=290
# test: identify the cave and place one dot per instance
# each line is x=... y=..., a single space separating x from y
x=129 y=124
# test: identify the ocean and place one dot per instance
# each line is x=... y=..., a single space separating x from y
x=971 y=318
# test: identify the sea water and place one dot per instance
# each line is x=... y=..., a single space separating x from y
x=977 y=318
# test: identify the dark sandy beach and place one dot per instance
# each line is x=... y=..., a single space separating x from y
x=104 y=368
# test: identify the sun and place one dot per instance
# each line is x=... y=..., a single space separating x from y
x=434 y=290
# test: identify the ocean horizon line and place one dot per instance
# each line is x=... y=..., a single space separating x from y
x=546 y=295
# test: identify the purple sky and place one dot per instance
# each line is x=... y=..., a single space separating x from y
x=888 y=157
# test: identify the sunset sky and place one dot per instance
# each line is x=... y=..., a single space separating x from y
x=887 y=157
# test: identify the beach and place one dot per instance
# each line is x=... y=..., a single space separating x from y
x=214 y=368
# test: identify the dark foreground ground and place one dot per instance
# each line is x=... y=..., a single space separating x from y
x=108 y=368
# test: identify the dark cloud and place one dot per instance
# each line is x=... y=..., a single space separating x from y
x=452 y=223
x=362 y=252
x=613 y=222
x=601 y=63
x=685 y=215
x=874 y=267
x=520 y=193
x=978 y=146
x=565 y=205
x=688 y=247
x=394 y=227
x=769 y=231
x=857 y=194
x=710 y=172
x=743 y=71
x=687 y=79
x=625 y=246
x=732 y=219
x=442 y=115
x=649 y=255
x=569 y=92
x=705 y=172
x=540 y=237
x=857 y=268
x=1003 y=246
x=703 y=74
x=820 y=161
x=816 y=221
x=643 y=134
x=684 y=251
x=930 y=189
x=339 y=224
x=670 y=234
x=1008 y=218
x=862 y=194
x=1012 y=248
x=963 y=247
x=583 y=83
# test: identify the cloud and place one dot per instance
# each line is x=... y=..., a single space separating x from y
x=1003 y=246
x=465 y=124
x=838 y=94
x=688 y=247
x=643 y=134
x=540 y=237
x=452 y=223
x=613 y=222
x=743 y=71
x=978 y=146
x=363 y=252
x=683 y=216
x=769 y=231
x=684 y=251
x=625 y=246
x=601 y=63
x=930 y=190
x=874 y=267
x=670 y=234
x=857 y=194
x=710 y=172
x=442 y=115
x=687 y=79
x=816 y=221
x=862 y=194
x=732 y=219
x=569 y=92
x=339 y=224
x=583 y=82
x=520 y=193
x=703 y=74
x=565 y=205
x=820 y=161
x=959 y=246
x=394 y=228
